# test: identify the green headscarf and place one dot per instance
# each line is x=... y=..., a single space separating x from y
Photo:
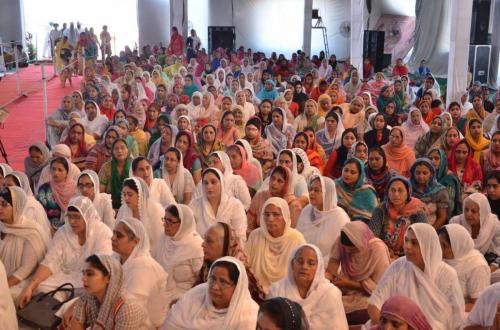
x=116 y=178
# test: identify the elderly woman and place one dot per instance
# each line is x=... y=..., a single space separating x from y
x=401 y=312
x=95 y=123
x=179 y=251
x=423 y=277
x=269 y=246
x=426 y=188
x=320 y=221
x=355 y=196
x=415 y=127
x=364 y=259
x=399 y=155
x=101 y=152
x=55 y=194
x=82 y=235
x=24 y=240
x=356 y=113
x=137 y=203
x=471 y=267
x=222 y=303
x=484 y=228
x=88 y=186
x=392 y=217
x=176 y=176
x=103 y=304
x=38 y=158
x=310 y=117
x=306 y=284
x=431 y=139
x=216 y=204
x=144 y=280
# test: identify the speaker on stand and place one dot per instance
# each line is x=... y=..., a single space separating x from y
x=221 y=36
x=373 y=48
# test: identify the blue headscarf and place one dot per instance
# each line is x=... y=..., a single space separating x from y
x=271 y=95
x=432 y=186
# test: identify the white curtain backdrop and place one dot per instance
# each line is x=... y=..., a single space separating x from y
x=357 y=31
x=153 y=18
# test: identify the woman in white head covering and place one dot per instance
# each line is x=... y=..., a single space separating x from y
x=195 y=101
x=471 y=267
x=222 y=303
x=269 y=246
x=234 y=185
x=279 y=133
x=4 y=170
x=88 y=186
x=8 y=319
x=95 y=123
x=158 y=189
x=179 y=250
x=216 y=205
x=485 y=313
x=306 y=284
x=144 y=280
x=24 y=240
x=136 y=203
x=304 y=167
x=33 y=209
x=251 y=159
x=321 y=221
x=176 y=176
x=82 y=235
x=423 y=277
x=483 y=226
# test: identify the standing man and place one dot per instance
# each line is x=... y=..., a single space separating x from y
x=105 y=42
x=54 y=36
x=193 y=44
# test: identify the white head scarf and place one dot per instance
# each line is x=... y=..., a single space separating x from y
x=196 y=311
x=308 y=169
x=137 y=228
x=24 y=182
x=5 y=169
x=177 y=186
x=488 y=222
x=485 y=309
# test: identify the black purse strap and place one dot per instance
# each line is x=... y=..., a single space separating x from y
x=66 y=287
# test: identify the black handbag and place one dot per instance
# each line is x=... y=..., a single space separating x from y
x=39 y=313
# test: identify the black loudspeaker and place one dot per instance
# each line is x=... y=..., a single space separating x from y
x=480 y=22
x=373 y=48
x=221 y=36
x=479 y=62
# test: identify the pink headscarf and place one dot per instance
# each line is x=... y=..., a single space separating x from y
x=64 y=191
x=247 y=171
x=406 y=310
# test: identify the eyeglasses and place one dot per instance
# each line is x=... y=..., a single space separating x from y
x=170 y=222
x=85 y=185
x=221 y=283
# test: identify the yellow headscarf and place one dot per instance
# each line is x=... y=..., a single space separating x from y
x=477 y=146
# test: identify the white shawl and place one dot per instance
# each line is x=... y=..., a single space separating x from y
x=195 y=310
x=308 y=170
x=150 y=212
x=102 y=201
x=230 y=211
x=436 y=289
x=323 y=302
x=489 y=224
x=8 y=319
x=22 y=230
x=178 y=185
x=468 y=262
x=485 y=309
x=322 y=228
x=98 y=125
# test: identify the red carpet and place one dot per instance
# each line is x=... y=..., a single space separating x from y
x=25 y=124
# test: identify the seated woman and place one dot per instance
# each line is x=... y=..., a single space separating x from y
x=38 y=158
x=449 y=138
x=363 y=259
x=184 y=141
x=306 y=284
x=60 y=150
x=222 y=303
x=76 y=142
x=102 y=304
x=281 y=313
x=314 y=146
x=179 y=250
x=88 y=186
x=269 y=246
x=309 y=118
x=279 y=133
x=392 y=217
x=320 y=221
x=82 y=235
x=399 y=156
x=176 y=176
x=114 y=172
x=465 y=168
x=280 y=185
x=426 y=188
x=490 y=158
x=484 y=228
x=379 y=133
x=241 y=166
x=123 y=127
x=471 y=267
x=24 y=241
x=301 y=141
x=55 y=194
x=144 y=279
x=101 y=152
x=355 y=196
x=8 y=318
x=423 y=277
x=337 y=158
x=137 y=203
x=250 y=157
x=330 y=137
x=162 y=144
x=207 y=143
x=33 y=209
x=215 y=205
x=227 y=132
x=448 y=179
x=159 y=191
x=474 y=136
x=304 y=168
x=401 y=312
x=378 y=173
x=260 y=147
x=431 y=139
x=485 y=314
x=415 y=127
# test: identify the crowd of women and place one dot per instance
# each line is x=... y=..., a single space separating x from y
x=242 y=192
